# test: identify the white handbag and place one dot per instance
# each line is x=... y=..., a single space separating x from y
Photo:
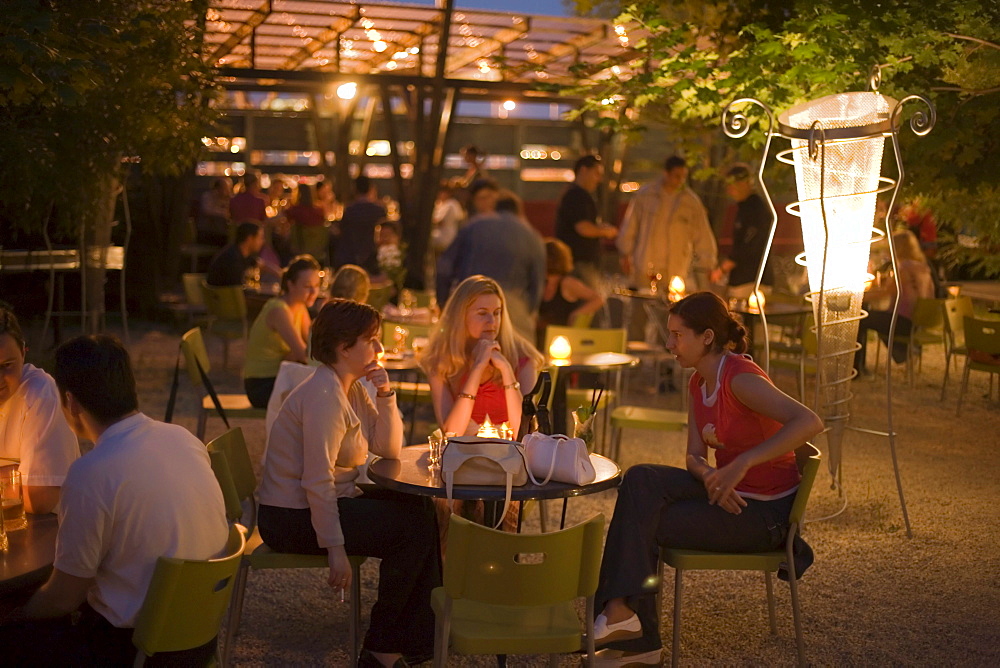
x=557 y=457
x=470 y=460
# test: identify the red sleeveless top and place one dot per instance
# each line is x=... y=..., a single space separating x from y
x=730 y=428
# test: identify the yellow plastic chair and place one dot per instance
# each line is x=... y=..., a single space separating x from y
x=955 y=312
x=982 y=343
x=808 y=458
x=234 y=471
x=928 y=330
x=234 y=405
x=227 y=308
x=796 y=352
x=380 y=295
x=186 y=600
x=509 y=593
x=640 y=417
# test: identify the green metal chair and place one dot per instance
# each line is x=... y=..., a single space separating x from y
x=808 y=458
x=509 y=593
x=227 y=308
x=982 y=343
x=796 y=352
x=379 y=296
x=928 y=330
x=186 y=600
x=640 y=417
x=234 y=405
x=234 y=471
x=955 y=312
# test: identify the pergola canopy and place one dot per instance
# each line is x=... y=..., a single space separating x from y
x=403 y=42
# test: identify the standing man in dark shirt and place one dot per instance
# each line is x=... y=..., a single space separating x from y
x=750 y=232
x=231 y=263
x=577 y=222
x=356 y=244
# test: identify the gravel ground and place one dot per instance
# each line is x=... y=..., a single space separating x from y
x=873 y=597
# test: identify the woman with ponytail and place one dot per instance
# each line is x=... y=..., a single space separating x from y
x=741 y=504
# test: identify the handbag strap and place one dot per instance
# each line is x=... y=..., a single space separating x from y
x=542 y=412
x=559 y=439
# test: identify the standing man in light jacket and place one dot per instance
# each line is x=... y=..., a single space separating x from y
x=666 y=231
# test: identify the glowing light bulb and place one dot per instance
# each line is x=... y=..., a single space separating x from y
x=347 y=91
x=675 y=291
x=560 y=349
x=509 y=105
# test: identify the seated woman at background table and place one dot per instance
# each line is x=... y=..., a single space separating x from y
x=281 y=331
x=915 y=282
x=309 y=503
x=476 y=363
x=351 y=282
x=565 y=297
x=739 y=505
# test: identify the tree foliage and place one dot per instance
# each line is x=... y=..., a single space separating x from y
x=84 y=84
x=685 y=60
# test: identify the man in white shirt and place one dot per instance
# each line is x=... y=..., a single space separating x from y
x=33 y=431
x=666 y=231
x=145 y=491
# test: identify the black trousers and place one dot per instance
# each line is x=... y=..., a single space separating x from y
x=258 y=390
x=880 y=321
x=85 y=639
x=399 y=529
x=667 y=506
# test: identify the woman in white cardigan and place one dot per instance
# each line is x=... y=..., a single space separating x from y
x=309 y=503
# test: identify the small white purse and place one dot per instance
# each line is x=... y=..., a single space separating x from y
x=557 y=457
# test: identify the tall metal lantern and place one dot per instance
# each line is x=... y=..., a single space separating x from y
x=837 y=145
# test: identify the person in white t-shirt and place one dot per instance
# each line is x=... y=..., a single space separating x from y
x=145 y=491
x=33 y=430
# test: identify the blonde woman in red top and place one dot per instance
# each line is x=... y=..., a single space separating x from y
x=739 y=504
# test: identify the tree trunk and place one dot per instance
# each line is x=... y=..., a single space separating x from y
x=96 y=237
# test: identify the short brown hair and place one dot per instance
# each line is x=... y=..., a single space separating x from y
x=10 y=326
x=558 y=258
x=298 y=266
x=702 y=311
x=340 y=323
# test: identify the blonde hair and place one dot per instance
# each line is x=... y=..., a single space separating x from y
x=351 y=282
x=907 y=247
x=446 y=353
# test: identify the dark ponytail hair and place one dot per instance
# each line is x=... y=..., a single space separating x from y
x=297 y=266
x=702 y=311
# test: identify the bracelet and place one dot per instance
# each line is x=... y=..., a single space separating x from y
x=463 y=395
x=390 y=393
x=513 y=386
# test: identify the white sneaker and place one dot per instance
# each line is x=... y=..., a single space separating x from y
x=615 y=658
x=627 y=630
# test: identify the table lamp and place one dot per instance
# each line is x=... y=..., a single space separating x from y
x=560 y=349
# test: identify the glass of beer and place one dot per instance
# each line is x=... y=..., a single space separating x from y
x=12 y=500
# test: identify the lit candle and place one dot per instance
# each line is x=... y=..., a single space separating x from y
x=560 y=349
x=756 y=302
x=487 y=430
x=676 y=288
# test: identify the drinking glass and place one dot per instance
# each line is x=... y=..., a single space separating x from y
x=12 y=500
x=435 y=442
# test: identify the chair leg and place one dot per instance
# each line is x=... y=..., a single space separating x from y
x=675 y=647
x=965 y=384
x=947 y=368
x=542 y=516
x=235 y=613
x=770 y=603
x=590 y=612
x=800 y=643
x=202 y=422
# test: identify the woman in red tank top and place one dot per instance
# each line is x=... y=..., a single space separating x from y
x=476 y=363
x=739 y=505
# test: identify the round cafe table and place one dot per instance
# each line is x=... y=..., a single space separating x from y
x=28 y=559
x=410 y=474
